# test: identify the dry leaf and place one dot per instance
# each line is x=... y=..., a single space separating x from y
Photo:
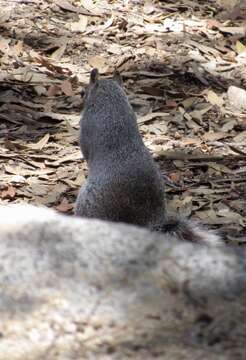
x=40 y=90
x=98 y=62
x=198 y=114
x=237 y=97
x=4 y=16
x=66 y=87
x=53 y=90
x=91 y=7
x=211 y=136
x=214 y=99
x=17 y=170
x=18 y=48
x=79 y=179
x=9 y=193
x=236 y=30
x=240 y=137
x=66 y=5
x=80 y=26
x=57 y=54
x=4 y=45
x=40 y=144
x=240 y=48
x=64 y=206
x=67 y=158
x=151 y=116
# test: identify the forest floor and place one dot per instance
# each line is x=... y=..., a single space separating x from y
x=182 y=63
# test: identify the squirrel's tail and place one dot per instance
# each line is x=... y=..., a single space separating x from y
x=188 y=230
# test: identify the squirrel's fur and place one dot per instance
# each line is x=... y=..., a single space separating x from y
x=124 y=184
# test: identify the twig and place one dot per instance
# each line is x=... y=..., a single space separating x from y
x=192 y=157
x=236 y=150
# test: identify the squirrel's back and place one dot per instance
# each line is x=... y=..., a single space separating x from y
x=124 y=184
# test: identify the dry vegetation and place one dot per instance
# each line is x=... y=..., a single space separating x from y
x=180 y=62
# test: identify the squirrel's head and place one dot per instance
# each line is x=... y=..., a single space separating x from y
x=96 y=82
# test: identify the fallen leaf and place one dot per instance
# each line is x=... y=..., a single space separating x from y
x=57 y=54
x=214 y=99
x=237 y=97
x=79 y=179
x=148 y=7
x=98 y=62
x=4 y=45
x=40 y=90
x=240 y=137
x=80 y=26
x=71 y=157
x=114 y=49
x=214 y=136
x=53 y=90
x=234 y=30
x=9 y=193
x=66 y=87
x=66 y=5
x=18 y=48
x=198 y=114
x=175 y=177
x=229 y=125
x=171 y=104
x=40 y=144
x=151 y=116
x=240 y=48
x=4 y=16
x=91 y=7
x=64 y=206
x=17 y=170
x=191 y=141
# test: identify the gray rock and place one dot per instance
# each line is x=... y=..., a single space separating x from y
x=237 y=97
x=73 y=288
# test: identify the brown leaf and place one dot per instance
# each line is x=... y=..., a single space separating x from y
x=66 y=5
x=64 y=206
x=151 y=116
x=40 y=144
x=211 y=136
x=9 y=193
x=18 y=48
x=171 y=104
x=98 y=62
x=66 y=87
x=175 y=177
x=57 y=54
x=17 y=170
x=53 y=90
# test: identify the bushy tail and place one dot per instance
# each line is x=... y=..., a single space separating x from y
x=188 y=230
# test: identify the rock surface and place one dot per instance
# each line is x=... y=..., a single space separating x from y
x=72 y=288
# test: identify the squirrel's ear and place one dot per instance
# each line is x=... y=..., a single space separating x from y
x=117 y=77
x=94 y=76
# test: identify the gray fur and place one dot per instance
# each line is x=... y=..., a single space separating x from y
x=124 y=183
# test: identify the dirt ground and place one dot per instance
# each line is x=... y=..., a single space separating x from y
x=182 y=63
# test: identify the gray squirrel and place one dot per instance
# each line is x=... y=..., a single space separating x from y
x=124 y=184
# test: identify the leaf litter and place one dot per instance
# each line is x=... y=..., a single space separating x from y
x=184 y=70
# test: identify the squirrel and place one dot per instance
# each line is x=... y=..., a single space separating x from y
x=124 y=183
